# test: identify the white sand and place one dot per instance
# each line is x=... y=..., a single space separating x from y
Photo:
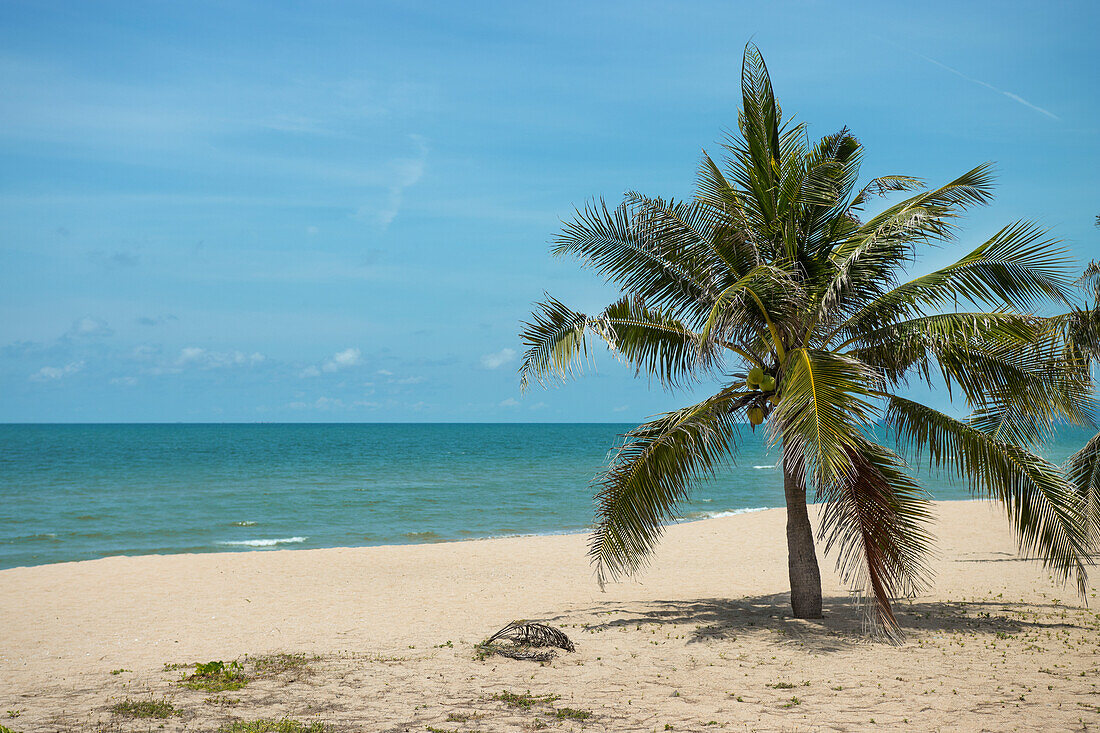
x=704 y=636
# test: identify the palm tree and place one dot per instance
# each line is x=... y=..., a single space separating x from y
x=771 y=282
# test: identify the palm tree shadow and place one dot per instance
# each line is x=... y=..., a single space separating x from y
x=843 y=624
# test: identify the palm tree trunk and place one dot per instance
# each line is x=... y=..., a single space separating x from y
x=801 y=557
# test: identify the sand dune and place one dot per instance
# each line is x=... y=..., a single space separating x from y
x=702 y=641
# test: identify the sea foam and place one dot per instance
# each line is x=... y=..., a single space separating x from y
x=718 y=515
x=265 y=543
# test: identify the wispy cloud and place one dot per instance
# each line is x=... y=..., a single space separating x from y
x=49 y=373
x=987 y=85
x=405 y=173
x=321 y=403
x=88 y=328
x=155 y=321
x=498 y=359
x=510 y=402
x=195 y=356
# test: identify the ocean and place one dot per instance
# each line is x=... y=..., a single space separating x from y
x=79 y=492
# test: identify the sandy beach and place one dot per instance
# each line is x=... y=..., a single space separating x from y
x=701 y=641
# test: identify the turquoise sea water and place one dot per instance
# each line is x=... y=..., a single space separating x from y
x=78 y=492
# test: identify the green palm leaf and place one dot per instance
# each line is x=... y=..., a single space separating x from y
x=555 y=341
x=651 y=474
x=826 y=403
x=612 y=242
x=648 y=340
x=1045 y=512
x=1016 y=267
x=1083 y=470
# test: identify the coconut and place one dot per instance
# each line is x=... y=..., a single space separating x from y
x=756 y=415
x=755 y=375
x=767 y=384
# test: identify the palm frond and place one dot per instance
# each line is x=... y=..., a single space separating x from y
x=1043 y=508
x=882 y=186
x=532 y=634
x=1083 y=471
x=648 y=340
x=654 y=343
x=761 y=299
x=824 y=405
x=865 y=259
x=876 y=519
x=914 y=344
x=612 y=243
x=1013 y=370
x=652 y=472
x=691 y=231
x=555 y=341
x=1090 y=281
x=1015 y=268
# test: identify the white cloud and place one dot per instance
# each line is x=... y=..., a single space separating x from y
x=89 y=328
x=125 y=381
x=498 y=359
x=409 y=380
x=321 y=403
x=510 y=402
x=621 y=408
x=145 y=351
x=342 y=360
x=48 y=373
x=538 y=406
x=385 y=372
x=200 y=358
x=191 y=353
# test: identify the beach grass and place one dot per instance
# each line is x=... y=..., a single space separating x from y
x=284 y=725
x=525 y=701
x=131 y=708
x=572 y=714
x=281 y=663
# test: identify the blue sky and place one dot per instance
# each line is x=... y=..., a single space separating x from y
x=326 y=212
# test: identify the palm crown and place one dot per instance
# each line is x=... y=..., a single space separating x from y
x=772 y=282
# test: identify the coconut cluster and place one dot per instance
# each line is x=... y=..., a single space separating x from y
x=759 y=380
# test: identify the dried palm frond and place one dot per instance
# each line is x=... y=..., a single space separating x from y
x=530 y=633
x=531 y=641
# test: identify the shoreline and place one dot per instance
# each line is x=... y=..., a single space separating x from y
x=708 y=619
x=261 y=545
